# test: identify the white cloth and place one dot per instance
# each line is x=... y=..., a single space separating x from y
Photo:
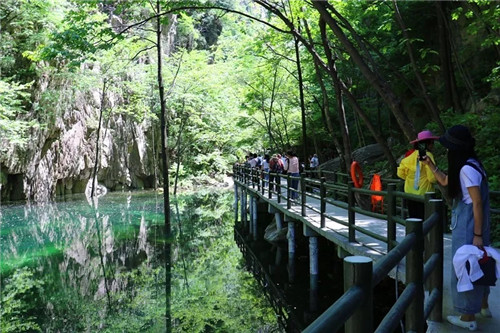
x=314 y=162
x=472 y=254
x=293 y=164
x=469 y=177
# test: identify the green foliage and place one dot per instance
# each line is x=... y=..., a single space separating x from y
x=84 y=34
x=21 y=298
x=13 y=97
x=211 y=295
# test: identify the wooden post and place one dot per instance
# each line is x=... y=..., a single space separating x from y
x=350 y=212
x=322 y=194
x=391 y=213
x=436 y=244
x=358 y=272
x=414 y=274
x=302 y=195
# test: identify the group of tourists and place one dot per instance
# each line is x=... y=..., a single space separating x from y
x=286 y=163
x=467 y=186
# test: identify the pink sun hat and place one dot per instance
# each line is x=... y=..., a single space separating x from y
x=425 y=135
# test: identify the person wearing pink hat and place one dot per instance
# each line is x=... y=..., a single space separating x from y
x=418 y=176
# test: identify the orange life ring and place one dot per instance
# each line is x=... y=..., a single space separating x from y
x=356 y=174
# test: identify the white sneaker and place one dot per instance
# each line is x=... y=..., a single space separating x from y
x=486 y=313
x=455 y=320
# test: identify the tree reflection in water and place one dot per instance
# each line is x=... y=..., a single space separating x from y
x=104 y=269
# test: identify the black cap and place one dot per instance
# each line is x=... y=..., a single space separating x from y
x=458 y=137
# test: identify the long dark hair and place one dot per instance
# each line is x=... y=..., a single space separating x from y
x=456 y=160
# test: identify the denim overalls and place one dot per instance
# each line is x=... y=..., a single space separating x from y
x=462 y=226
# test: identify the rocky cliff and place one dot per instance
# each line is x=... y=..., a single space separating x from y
x=59 y=158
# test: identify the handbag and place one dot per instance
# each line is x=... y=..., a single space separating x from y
x=488 y=266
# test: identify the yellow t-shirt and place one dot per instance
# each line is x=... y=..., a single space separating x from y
x=407 y=169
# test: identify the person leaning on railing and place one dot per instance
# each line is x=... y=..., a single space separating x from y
x=470 y=222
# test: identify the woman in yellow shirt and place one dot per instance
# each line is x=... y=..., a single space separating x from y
x=418 y=176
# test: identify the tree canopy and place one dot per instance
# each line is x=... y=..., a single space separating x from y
x=370 y=72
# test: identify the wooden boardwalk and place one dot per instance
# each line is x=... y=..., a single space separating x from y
x=371 y=247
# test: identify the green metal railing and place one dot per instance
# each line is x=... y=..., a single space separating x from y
x=355 y=307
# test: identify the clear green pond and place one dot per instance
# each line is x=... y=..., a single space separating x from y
x=67 y=267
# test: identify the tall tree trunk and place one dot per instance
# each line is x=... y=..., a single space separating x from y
x=451 y=99
x=325 y=105
x=342 y=118
x=302 y=105
x=427 y=100
x=164 y=160
x=344 y=128
x=310 y=47
x=101 y=111
x=380 y=85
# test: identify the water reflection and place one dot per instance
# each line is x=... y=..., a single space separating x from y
x=104 y=269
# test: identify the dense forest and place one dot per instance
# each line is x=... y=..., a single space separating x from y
x=119 y=95
x=103 y=87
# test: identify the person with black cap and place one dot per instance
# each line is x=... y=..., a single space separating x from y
x=418 y=177
x=470 y=222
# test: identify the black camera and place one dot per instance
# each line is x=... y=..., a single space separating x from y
x=422 y=152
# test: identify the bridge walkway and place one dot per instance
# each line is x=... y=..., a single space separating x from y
x=336 y=229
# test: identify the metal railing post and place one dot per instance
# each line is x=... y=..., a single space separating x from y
x=288 y=192
x=270 y=194
x=335 y=183
x=252 y=177
x=302 y=195
x=414 y=275
x=263 y=181
x=391 y=213
x=358 y=272
x=236 y=199
x=436 y=243
x=322 y=194
x=278 y=187
x=350 y=213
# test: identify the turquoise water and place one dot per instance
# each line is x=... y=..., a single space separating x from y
x=67 y=267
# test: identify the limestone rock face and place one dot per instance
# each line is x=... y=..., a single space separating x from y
x=59 y=159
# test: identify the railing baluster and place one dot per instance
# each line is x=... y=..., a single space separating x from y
x=351 y=213
x=322 y=194
x=288 y=191
x=391 y=213
x=278 y=187
x=414 y=275
x=302 y=195
x=436 y=246
x=358 y=272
